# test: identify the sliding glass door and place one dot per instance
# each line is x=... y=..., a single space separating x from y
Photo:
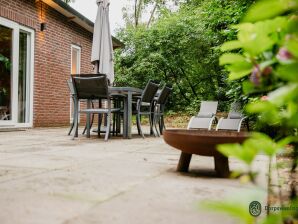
x=16 y=74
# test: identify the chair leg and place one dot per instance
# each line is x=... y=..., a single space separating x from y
x=88 y=125
x=91 y=123
x=159 y=125
x=140 y=126
x=108 y=126
x=99 y=124
x=151 y=125
x=92 y=119
x=155 y=120
x=75 y=135
x=73 y=116
x=77 y=130
x=119 y=123
x=76 y=120
x=162 y=124
x=71 y=127
x=114 y=124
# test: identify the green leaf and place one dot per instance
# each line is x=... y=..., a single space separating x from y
x=288 y=72
x=269 y=113
x=231 y=208
x=239 y=74
x=266 y=144
x=291 y=113
x=258 y=106
x=239 y=70
x=267 y=9
x=292 y=46
x=283 y=94
x=266 y=64
x=229 y=149
x=253 y=38
x=272 y=219
x=248 y=87
x=230 y=58
x=250 y=149
x=285 y=141
x=231 y=45
x=245 y=153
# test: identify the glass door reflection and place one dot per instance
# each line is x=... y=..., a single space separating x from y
x=23 y=84
x=6 y=38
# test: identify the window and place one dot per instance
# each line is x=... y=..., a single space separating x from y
x=75 y=59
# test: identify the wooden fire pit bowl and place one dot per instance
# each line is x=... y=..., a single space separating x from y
x=202 y=142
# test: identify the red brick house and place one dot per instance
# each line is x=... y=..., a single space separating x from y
x=41 y=43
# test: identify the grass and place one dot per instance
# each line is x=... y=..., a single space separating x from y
x=177 y=120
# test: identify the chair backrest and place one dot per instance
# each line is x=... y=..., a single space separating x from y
x=234 y=112
x=71 y=87
x=88 y=75
x=208 y=109
x=91 y=87
x=230 y=124
x=164 y=95
x=149 y=92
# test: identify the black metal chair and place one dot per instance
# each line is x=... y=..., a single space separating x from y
x=92 y=102
x=94 y=88
x=145 y=105
x=159 y=108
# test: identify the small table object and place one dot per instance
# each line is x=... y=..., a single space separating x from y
x=3 y=113
x=202 y=142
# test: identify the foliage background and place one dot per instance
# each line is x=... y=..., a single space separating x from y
x=181 y=48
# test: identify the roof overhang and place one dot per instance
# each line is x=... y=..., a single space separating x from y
x=76 y=17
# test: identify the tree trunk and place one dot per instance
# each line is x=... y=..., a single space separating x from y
x=179 y=87
x=189 y=83
x=152 y=14
x=136 y=13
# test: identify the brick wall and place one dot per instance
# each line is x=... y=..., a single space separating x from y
x=52 y=57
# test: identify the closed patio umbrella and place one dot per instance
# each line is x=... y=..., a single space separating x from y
x=102 y=47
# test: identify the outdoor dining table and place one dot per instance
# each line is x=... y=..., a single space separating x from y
x=128 y=92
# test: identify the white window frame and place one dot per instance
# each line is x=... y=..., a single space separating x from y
x=73 y=46
x=16 y=28
x=78 y=59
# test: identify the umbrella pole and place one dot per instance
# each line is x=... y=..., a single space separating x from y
x=96 y=71
x=96 y=68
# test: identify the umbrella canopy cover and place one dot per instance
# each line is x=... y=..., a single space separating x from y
x=102 y=47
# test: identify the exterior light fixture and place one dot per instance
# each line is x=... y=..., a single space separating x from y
x=43 y=25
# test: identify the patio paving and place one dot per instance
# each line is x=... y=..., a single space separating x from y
x=46 y=177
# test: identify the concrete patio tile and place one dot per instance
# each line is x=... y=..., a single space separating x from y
x=40 y=161
x=94 y=181
x=33 y=208
x=168 y=198
x=7 y=155
x=13 y=173
x=84 y=181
